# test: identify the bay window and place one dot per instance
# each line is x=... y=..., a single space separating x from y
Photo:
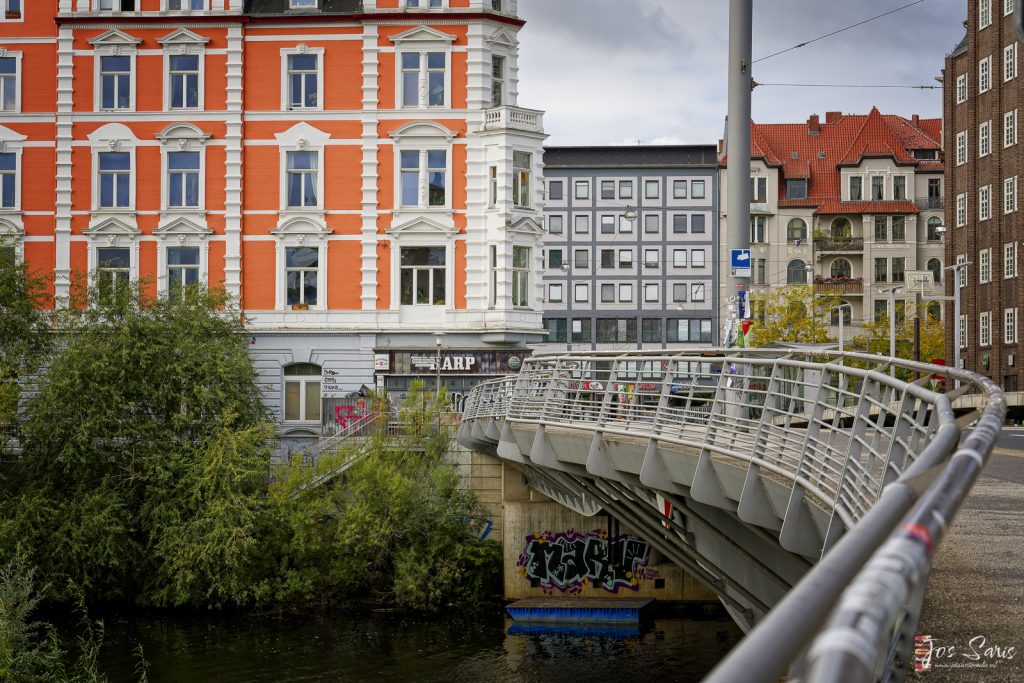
x=520 y=277
x=521 y=162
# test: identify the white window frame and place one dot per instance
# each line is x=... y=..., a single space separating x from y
x=132 y=178
x=187 y=8
x=985 y=266
x=1009 y=325
x=985 y=75
x=283 y=175
x=1010 y=195
x=21 y=17
x=984 y=14
x=1009 y=260
x=961 y=272
x=113 y=241
x=984 y=202
x=423 y=137
x=963 y=331
x=1010 y=128
x=302 y=49
x=18 y=81
x=178 y=44
x=961 y=148
x=13 y=143
x=555 y=295
x=1008 y=7
x=961 y=88
x=302 y=380
x=301 y=233
x=961 y=210
x=985 y=328
x=181 y=137
x=1010 y=62
x=984 y=138
x=115 y=51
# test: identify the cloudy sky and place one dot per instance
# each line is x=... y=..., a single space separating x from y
x=654 y=71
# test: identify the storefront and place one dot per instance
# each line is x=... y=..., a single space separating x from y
x=460 y=370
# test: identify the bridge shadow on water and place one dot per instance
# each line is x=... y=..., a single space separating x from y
x=391 y=647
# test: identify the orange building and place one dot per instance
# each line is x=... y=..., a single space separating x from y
x=357 y=174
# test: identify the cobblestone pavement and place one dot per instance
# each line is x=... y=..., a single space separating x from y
x=975 y=598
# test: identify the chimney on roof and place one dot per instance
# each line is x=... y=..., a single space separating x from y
x=721 y=146
x=813 y=125
x=916 y=120
x=833 y=116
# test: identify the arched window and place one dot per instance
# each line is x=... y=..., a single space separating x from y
x=796 y=230
x=796 y=273
x=933 y=229
x=847 y=311
x=302 y=392
x=841 y=227
x=935 y=265
x=841 y=268
x=935 y=310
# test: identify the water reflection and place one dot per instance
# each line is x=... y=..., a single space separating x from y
x=387 y=647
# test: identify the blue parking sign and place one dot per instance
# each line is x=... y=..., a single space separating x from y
x=740 y=263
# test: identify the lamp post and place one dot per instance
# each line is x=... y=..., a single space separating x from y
x=891 y=291
x=437 y=362
x=940 y=230
x=840 y=308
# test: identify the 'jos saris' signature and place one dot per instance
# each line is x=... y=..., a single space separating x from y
x=979 y=652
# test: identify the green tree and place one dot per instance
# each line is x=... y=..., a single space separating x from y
x=395 y=529
x=144 y=429
x=932 y=344
x=795 y=314
x=25 y=335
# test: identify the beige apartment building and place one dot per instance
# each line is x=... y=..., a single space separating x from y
x=852 y=203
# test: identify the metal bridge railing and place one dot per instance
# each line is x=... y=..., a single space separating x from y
x=857 y=442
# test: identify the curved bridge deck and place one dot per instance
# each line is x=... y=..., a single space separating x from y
x=769 y=463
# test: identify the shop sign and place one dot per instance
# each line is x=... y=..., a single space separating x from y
x=455 y=362
x=382 y=361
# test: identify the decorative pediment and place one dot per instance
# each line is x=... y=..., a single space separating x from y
x=9 y=137
x=502 y=38
x=302 y=135
x=10 y=230
x=113 y=135
x=113 y=230
x=182 y=229
x=182 y=134
x=300 y=229
x=527 y=226
x=422 y=34
x=115 y=39
x=183 y=37
x=422 y=227
x=420 y=130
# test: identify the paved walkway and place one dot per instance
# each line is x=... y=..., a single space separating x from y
x=975 y=597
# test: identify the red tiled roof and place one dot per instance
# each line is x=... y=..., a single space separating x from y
x=846 y=140
x=836 y=206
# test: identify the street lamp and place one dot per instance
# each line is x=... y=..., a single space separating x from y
x=891 y=291
x=940 y=230
x=437 y=362
x=840 y=308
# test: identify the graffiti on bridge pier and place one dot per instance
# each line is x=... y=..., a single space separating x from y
x=574 y=561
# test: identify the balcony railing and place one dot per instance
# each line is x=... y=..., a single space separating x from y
x=930 y=203
x=829 y=243
x=839 y=286
x=514 y=118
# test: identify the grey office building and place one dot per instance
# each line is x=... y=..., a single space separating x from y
x=631 y=250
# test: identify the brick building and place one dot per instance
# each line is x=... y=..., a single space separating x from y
x=982 y=96
x=357 y=174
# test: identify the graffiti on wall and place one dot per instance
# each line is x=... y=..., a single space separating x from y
x=574 y=562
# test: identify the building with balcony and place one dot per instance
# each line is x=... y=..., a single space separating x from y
x=852 y=204
x=982 y=95
x=631 y=244
x=357 y=174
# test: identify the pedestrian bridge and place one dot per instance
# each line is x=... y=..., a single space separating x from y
x=809 y=490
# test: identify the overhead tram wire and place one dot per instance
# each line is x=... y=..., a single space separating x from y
x=836 y=32
x=848 y=85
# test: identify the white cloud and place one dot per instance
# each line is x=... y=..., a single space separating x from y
x=654 y=71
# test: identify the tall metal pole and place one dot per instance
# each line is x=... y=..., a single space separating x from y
x=841 y=316
x=892 y=328
x=956 y=317
x=738 y=132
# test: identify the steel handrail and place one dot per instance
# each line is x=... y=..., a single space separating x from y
x=870 y=475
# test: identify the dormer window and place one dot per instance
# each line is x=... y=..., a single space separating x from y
x=796 y=189
x=302 y=4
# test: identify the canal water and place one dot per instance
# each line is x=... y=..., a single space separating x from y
x=391 y=647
